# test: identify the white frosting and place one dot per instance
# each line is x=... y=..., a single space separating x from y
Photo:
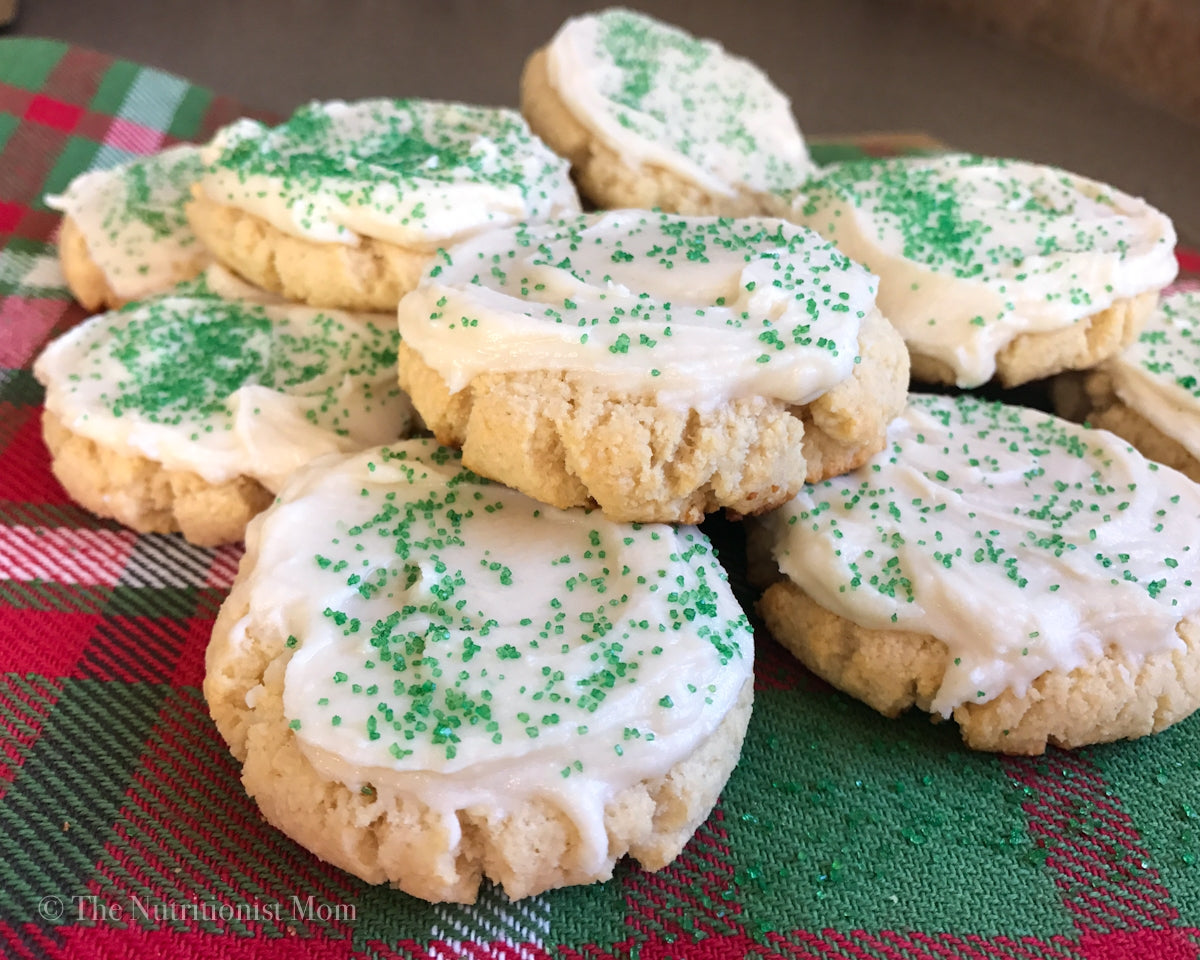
x=656 y=95
x=1022 y=542
x=1158 y=376
x=971 y=252
x=696 y=308
x=227 y=388
x=131 y=217
x=457 y=642
x=418 y=173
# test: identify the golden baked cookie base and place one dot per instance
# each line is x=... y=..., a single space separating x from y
x=87 y=281
x=1090 y=397
x=144 y=495
x=371 y=276
x=602 y=176
x=567 y=440
x=1033 y=356
x=393 y=836
x=1109 y=699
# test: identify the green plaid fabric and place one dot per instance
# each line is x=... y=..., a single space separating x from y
x=124 y=830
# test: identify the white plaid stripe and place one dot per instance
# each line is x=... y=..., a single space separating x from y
x=63 y=555
x=33 y=274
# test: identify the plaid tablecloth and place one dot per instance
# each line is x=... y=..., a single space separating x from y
x=124 y=830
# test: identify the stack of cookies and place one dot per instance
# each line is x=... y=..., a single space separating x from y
x=506 y=652
x=188 y=408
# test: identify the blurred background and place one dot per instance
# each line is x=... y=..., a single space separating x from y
x=1107 y=88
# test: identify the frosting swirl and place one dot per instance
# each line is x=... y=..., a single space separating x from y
x=698 y=308
x=418 y=173
x=452 y=638
x=655 y=94
x=227 y=388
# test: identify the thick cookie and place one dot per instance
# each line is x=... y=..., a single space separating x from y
x=1110 y=697
x=652 y=117
x=345 y=204
x=1032 y=579
x=658 y=366
x=431 y=679
x=188 y=412
x=1150 y=392
x=995 y=268
x=124 y=235
x=141 y=493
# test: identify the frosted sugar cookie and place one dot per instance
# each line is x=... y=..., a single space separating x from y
x=345 y=203
x=1150 y=392
x=189 y=411
x=659 y=366
x=650 y=116
x=124 y=235
x=995 y=268
x=1033 y=579
x=432 y=679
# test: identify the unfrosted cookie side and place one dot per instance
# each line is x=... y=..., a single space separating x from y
x=847 y=425
x=372 y=275
x=1087 y=342
x=1090 y=397
x=85 y=279
x=391 y=836
x=89 y=285
x=144 y=495
x=1111 y=698
x=568 y=441
x=602 y=176
x=1032 y=356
